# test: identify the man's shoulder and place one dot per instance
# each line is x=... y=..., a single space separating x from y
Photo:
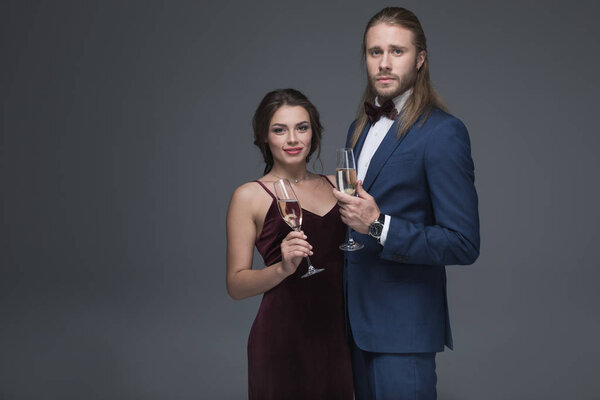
x=439 y=121
x=444 y=134
x=439 y=116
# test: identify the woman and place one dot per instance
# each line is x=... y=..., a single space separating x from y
x=297 y=348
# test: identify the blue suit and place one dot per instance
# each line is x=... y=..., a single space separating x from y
x=396 y=294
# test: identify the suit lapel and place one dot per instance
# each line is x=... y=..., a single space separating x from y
x=361 y=141
x=385 y=149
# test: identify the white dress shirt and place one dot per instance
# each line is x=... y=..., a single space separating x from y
x=374 y=138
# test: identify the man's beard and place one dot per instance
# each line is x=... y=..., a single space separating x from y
x=405 y=82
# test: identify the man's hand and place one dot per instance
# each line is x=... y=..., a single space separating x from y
x=357 y=212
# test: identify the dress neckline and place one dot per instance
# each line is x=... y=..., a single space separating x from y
x=303 y=209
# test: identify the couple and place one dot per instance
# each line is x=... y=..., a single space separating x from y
x=371 y=323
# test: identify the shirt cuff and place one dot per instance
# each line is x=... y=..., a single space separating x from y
x=386 y=227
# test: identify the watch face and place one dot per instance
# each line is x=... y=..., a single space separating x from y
x=375 y=229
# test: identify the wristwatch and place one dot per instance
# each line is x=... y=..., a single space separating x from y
x=376 y=227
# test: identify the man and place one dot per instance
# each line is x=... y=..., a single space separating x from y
x=416 y=212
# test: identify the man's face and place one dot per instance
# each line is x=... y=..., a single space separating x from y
x=392 y=60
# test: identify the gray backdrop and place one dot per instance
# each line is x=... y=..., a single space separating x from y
x=126 y=127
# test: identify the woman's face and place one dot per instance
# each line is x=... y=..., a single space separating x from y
x=290 y=135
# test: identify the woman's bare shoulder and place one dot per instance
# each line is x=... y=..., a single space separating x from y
x=251 y=194
x=246 y=193
x=249 y=200
x=246 y=189
x=331 y=179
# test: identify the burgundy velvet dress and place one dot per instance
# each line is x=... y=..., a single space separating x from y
x=297 y=347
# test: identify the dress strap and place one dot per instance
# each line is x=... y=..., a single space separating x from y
x=328 y=181
x=267 y=190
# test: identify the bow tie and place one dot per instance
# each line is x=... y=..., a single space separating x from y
x=388 y=109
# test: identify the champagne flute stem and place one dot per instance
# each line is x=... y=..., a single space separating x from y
x=350 y=238
x=310 y=266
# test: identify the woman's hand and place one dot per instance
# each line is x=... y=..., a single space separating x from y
x=293 y=248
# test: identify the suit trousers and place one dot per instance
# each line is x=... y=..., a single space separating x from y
x=397 y=376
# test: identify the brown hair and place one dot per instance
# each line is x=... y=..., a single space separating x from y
x=424 y=97
x=262 y=119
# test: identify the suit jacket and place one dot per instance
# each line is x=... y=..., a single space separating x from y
x=396 y=294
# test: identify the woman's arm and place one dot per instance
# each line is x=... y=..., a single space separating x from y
x=242 y=280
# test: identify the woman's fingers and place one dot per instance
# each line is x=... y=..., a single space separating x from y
x=298 y=251
x=294 y=247
x=297 y=242
x=294 y=234
x=295 y=239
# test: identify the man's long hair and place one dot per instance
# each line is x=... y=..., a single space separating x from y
x=424 y=97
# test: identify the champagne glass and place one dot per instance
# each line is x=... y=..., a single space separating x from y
x=291 y=212
x=345 y=176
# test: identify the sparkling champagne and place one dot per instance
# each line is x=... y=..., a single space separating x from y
x=291 y=213
x=346 y=180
